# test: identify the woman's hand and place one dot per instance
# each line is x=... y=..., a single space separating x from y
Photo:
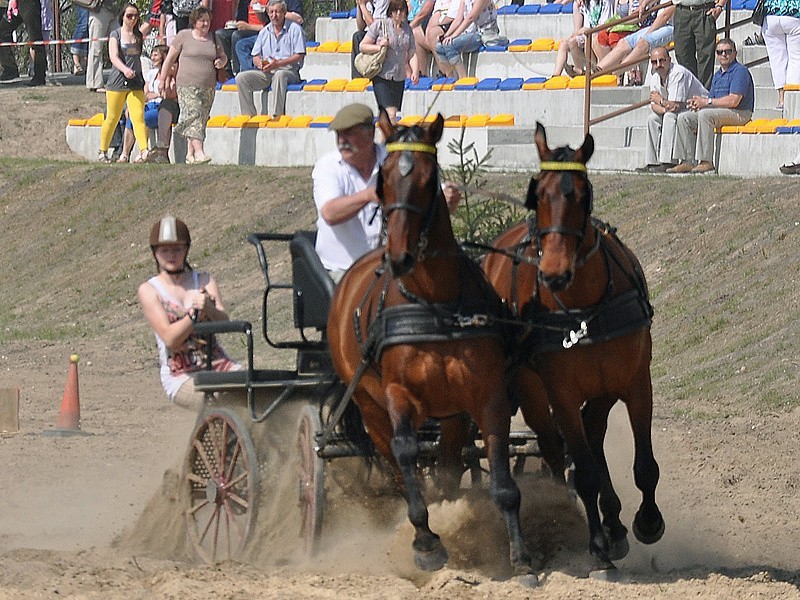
x=196 y=302
x=383 y=42
x=129 y=73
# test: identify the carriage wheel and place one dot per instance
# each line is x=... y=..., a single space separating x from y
x=221 y=475
x=311 y=488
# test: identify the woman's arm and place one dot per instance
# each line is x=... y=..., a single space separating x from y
x=113 y=54
x=174 y=334
x=172 y=57
x=370 y=45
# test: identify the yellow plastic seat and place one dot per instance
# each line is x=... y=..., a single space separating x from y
x=329 y=46
x=559 y=82
x=455 y=121
x=520 y=47
x=501 y=120
x=95 y=120
x=345 y=47
x=444 y=87
x=543 y=45
x=335 y=85
x=230 y=87
x=608 y=80
x=791 y=87
x=259 y=121
x=410 y=120
x=279 y=122
x=577 y=83
x=77 y=122
x=754 y=126
x=466 y=81
x=299 y=122
x=728 y=129
x=218 y=121
x=476 y=121
x=534 y=85
x=320 y=121
x=238 y=121
x=357 y=85
x=316 y=87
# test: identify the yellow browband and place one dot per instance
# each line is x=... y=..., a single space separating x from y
x=562 y=166
x=411 y=146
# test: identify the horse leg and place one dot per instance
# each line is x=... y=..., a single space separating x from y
x=494 y=424
x=587 y=477
x=595 y=423
x=429 y=552
x=648 y=524
x=531 y=397
x=450 y=462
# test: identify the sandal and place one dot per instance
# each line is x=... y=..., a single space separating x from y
x=103 y=158
x=123 y=159
x=142 y=157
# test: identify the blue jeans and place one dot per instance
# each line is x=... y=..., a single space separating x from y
x=243 y=49
x=466 y=42
x=229 y=38
x=81 y=31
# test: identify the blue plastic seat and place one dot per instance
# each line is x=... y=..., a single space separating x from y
x=566 y=9
x=737 y=4
x=444 y=80
x=296 y=87
x=785 y=129
x=490 y=84
x=550 y=9
x=508 y=10
x=311 y=44
x=353 y=12
x=338 y=14
x=424 y=84
x=520 y=42
x=495 y=47
x=511 y=84
x=749 y=4
x=535 y=80
x=529 y=9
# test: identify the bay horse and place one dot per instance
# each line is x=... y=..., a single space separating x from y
x=410 y=332
x=582 y=295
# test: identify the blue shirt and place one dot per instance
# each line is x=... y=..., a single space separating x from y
x=736 y=80
x=291 y=41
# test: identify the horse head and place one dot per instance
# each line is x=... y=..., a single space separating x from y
x=409 y=190
x=561 y=195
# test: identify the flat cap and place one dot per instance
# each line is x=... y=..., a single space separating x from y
x=352 y=115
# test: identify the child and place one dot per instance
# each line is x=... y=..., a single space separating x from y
x=591 y=13
x=164 y=111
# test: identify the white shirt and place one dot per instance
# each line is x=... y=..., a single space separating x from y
x=681 y=84
x=340 y=245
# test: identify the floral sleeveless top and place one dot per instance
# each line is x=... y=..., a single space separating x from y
x=176 y=367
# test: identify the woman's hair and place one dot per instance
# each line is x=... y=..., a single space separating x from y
x=197 y=14
x=394 y=5
x=136 y=32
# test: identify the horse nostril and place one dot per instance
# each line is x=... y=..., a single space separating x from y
x=404 y=265
x=556 y=283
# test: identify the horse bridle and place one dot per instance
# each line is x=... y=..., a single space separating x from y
x=405 y=166
x=567 y=188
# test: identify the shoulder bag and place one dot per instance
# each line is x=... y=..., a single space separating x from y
x=369 y=65
x=759 y=13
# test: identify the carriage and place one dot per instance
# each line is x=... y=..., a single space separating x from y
x=222 y=473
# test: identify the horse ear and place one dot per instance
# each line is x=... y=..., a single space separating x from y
x=435 y=129
x=385 y=124
x=531 y=200
x=540 y=138
x=584 y=153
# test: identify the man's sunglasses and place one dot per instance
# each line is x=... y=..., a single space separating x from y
x=725 y=52
x=656 y=61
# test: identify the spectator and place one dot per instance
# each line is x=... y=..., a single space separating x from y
x=695 y=34
x=471 y=19
x=730 y=102
x=655 y=30
x=278 y=56
x=176 y=292
x=250 y=20
x=418 y=19
x=671 y=86
x=182 y=11
x=126 y=82
x=80 y=50
x=781 y=31
x=244 y=47
x=366 y=12
x=101 y=22
x=437 y=26
x=348 y=210
x=167 y=112
x=28 y=13
x=395 y=34
x=590 y=13
x=196 y=80
x=608 y=39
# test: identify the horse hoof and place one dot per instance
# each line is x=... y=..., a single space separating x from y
x=609 y=574
x=431 y=560
x=648 y=533
x=528 y=581
x=618 y=549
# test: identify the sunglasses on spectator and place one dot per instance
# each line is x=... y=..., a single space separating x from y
x=725 y=52
x=656 y=61
x=131 y=15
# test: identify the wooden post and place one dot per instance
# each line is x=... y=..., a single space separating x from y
x=9 y=409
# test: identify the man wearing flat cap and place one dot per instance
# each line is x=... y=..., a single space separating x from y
x=348 y=212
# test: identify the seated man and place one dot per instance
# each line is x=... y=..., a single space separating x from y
x=348 y=212
x=250 y=19
x=671 y=86
x=243 y=48
x=278 y=55
x=656 y=30
x=730 y=102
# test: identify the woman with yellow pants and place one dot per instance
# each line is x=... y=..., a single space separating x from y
x=125 y=83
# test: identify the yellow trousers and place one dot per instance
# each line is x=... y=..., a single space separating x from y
x=115 y=102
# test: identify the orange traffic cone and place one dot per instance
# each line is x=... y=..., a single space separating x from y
x=69 y=418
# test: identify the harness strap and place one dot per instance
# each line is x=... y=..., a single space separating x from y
x=551 y=165
x=411 y=146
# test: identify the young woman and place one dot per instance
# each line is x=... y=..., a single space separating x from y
x=388 y=85
x=200 y=57
x=171 y=301
x=125 y=83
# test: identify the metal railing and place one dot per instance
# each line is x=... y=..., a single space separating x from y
x=588 y=121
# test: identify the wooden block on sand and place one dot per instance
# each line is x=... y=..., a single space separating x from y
x=9 y=409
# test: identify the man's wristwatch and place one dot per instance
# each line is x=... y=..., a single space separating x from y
x=709 y=101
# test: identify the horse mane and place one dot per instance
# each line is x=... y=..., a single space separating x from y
x=406 y=133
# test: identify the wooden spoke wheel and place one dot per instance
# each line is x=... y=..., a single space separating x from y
x=311 y=486
x=221 y=474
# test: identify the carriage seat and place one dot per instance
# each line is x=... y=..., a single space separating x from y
x=313 y=287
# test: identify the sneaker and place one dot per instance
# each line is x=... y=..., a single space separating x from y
x=645 y=169
x=703 y=167
x=663 y=167
x=683 y=167
x=793 y=169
